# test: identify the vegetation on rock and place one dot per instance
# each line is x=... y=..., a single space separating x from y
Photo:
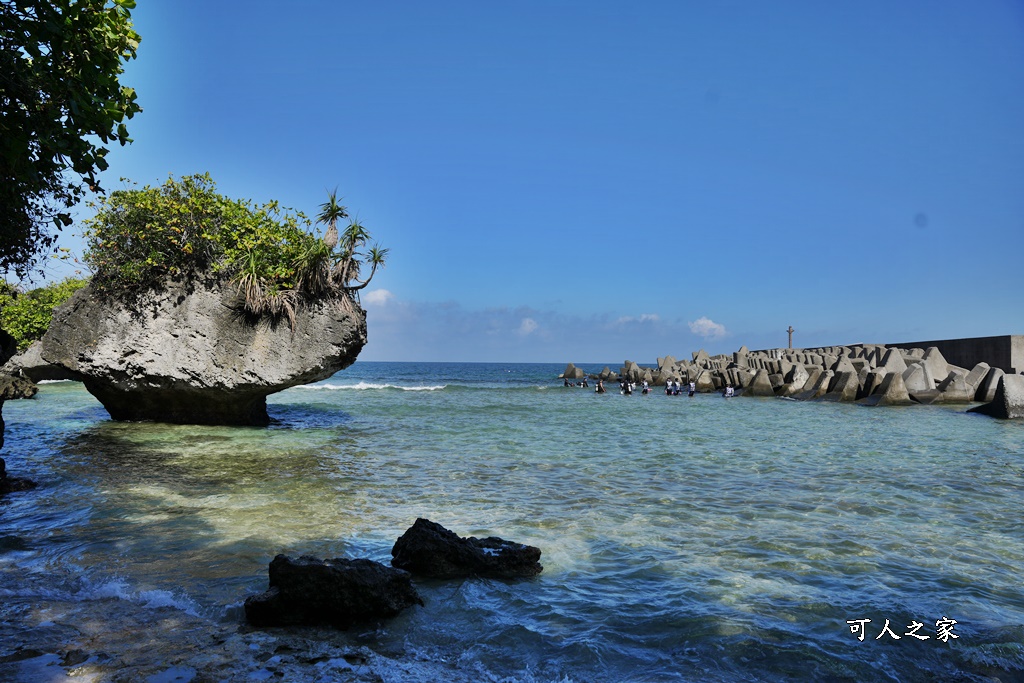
x=26 y=315
x=60 y=102
x=185 y=229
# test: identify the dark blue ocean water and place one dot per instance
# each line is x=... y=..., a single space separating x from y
x=683 y=539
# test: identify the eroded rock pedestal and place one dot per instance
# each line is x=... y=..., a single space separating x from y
x=187 y=354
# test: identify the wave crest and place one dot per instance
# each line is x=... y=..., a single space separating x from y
x=362 y=386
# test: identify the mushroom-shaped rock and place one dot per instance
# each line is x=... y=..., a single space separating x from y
x=339 y=592
x=428 y=549
x=187 y=353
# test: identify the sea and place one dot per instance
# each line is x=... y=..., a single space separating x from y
x=683 y=539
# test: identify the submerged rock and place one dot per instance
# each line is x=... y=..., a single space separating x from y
x=187 y=353
x=337 y=592
x=11 y=484
x=428 y=549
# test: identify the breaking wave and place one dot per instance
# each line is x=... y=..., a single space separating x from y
x=110 y=589
x=370 y=385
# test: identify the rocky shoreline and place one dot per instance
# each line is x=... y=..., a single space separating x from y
x=867 y=374
x=340 y=592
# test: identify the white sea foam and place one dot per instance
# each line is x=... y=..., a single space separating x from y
x=116 y=588
x=119 y=589
x=160 y=598
x=369 y=385
x=53 y=381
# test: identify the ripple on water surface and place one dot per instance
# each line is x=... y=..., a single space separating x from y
x=683 y=539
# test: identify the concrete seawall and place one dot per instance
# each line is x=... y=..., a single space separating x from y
x=1005 y=352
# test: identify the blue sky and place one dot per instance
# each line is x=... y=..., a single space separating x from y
x=595 y=181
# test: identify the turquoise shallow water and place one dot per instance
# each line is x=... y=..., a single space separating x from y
x=683 y=539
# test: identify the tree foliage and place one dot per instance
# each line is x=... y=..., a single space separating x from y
x=60 y=103
x=26 y=315
x=186 y=229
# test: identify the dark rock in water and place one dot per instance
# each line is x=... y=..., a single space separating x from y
x=12 y=388
x=10 y=542
x=339 y=592
x=188 y=354
x=428 y=549
x=11 y=484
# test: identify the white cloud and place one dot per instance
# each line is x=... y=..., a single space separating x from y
x=644 y=318
x=527 y=326
x=707 y=328
x=378 y=297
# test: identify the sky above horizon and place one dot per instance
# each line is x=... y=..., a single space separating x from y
x=598 y=181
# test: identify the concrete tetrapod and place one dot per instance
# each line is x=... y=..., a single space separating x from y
x=1008 y=403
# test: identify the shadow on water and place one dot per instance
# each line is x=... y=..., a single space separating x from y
x=208 y=496
x=307 y=416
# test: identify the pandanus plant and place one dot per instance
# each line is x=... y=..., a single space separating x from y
x=376 y=256
x=326 y=268
x=348 y=262
x=330 y=213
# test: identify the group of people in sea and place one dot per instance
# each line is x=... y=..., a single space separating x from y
x=672 y=388
x=576 y=384
x=626 y=388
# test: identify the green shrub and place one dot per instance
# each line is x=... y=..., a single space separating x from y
x=26 y=315
x=185 y=229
